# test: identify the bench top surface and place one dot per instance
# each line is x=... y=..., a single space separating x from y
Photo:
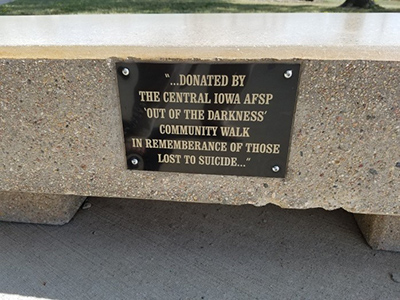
x=372 y=36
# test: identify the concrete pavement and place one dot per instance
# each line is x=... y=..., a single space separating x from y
x=134 y=249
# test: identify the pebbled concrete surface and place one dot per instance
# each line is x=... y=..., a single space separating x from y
x=65 y=116
x=38 y=208
x=381 y=232
x=134 y=249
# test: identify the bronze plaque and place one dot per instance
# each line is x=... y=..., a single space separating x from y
x=208 y=118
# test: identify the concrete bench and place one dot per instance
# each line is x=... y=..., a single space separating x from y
x=61 y=132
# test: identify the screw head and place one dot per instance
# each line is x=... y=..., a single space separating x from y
x=275 y=169
x=288 y=74
x=134 y=161
x=125 y=71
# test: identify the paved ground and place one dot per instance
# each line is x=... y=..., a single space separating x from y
x=131 y=249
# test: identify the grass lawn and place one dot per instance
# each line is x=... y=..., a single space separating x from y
x=41 y=7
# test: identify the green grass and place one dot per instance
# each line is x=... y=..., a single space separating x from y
x=44 y=7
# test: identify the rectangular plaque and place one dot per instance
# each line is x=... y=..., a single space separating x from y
x=208 y=118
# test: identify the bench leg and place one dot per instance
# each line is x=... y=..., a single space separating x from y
x=381 y=232
x=38 y=208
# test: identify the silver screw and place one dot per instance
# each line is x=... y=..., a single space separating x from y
x=125 y=71
x=288 y=74
x=134 y=161
x=275 y=169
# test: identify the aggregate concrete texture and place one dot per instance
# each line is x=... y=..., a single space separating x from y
x=139 y=249
x=64 y=116
x=381 y=232
x=61 y=130
x=38 y=208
